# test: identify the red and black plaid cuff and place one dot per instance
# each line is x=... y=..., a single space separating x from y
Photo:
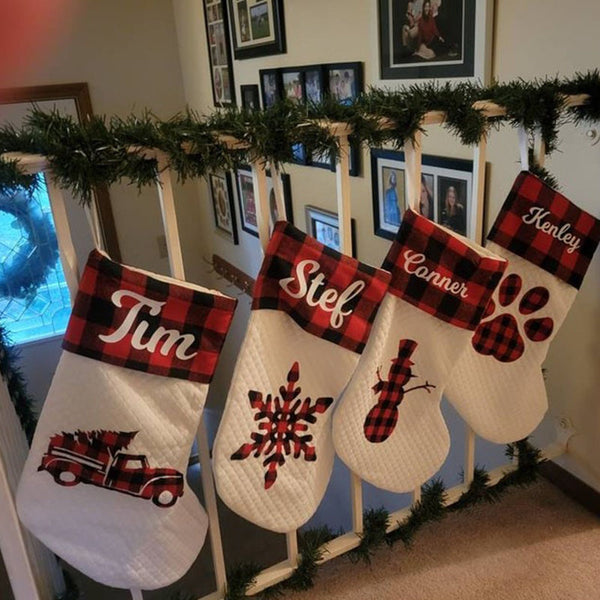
x=328 y=294
x=128 y=318
x=439 y=273
x=542 y=226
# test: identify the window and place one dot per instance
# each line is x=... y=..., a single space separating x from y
x=28 y=252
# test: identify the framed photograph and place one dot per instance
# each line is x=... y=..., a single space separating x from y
x=247 y=203
x=219 y=52
x=221 y=195
x=250 y=97
x=292 y=81
x=446 y=193
x=314 y=83
x=258 y=28
x=345 y=81
x=324 y=226
x=426 y=39
x=270 y=86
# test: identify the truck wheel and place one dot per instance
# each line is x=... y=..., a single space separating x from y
x=164 y=499
x=66 y=478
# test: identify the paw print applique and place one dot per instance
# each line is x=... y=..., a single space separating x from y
x=500 y=337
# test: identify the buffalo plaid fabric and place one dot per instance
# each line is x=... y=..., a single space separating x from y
x=92 y=457
x=498 y=338
x=286 y=420
x=543 y=227
x=180 y=337
x=382 y=418
x=439 y=273
x=287 y=249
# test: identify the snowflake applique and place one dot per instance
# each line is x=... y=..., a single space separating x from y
x=285 y=421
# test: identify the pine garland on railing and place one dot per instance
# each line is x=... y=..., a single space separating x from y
x=106 y=151
x=430 y=508
x=12 y=375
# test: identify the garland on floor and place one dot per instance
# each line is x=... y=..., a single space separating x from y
x=107 y=150
x=430 y=508
x=15 y=381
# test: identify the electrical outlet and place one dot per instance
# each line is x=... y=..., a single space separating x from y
x=161 y=242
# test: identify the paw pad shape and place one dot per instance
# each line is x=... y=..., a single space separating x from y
x=500 y=337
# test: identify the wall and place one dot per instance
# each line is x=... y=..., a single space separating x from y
x=531 y=39
x=127 y=53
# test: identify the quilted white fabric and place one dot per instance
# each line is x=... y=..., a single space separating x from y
x=505 y=401
x=273 y=343
x=117 y=539
x=420 y=441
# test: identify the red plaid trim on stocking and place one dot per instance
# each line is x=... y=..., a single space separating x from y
x=328 y=294
x=437 y=272
x=127 y=318
x=542 y=226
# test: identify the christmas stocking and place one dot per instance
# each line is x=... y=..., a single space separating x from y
x=104 y=483
x=312 y=312
x=497 y=385
x=388 y=427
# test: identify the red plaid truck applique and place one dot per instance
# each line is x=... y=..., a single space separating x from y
x=97 y=458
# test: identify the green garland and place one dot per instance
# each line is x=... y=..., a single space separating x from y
x=430 y=508
x=15 y=381
x=102 y=151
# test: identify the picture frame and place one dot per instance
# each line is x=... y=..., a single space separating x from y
x=250 y=96
x=219 y=52
x=459 y=46
x=221 y=195
x=344 y=81
x=270 y=86
x=245 y=195
x=258 y=28
x=324 y=226
x=293 y=88
x=314 y=83
x=441 y=178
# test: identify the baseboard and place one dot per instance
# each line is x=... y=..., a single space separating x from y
x=572 y=486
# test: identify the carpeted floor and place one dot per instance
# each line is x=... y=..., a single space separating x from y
x=535 y=544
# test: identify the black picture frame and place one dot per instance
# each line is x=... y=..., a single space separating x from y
x=250 y=96
x=459 y=52
x=270 y=86
x=244 y=187
x=293 y=88
x=219 y=52
x=314 y=83
x=344 y=81
x=248 y=21
x=322 y=224
x=221 y=196
x=437 y=175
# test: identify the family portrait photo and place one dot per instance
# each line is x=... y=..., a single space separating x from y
x=422 y=39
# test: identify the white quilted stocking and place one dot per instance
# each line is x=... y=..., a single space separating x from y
x=497 y=385
x=104 y=483
x=312 y=313
x=388 y=427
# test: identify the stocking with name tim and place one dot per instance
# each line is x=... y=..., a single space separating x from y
x=108 y=460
